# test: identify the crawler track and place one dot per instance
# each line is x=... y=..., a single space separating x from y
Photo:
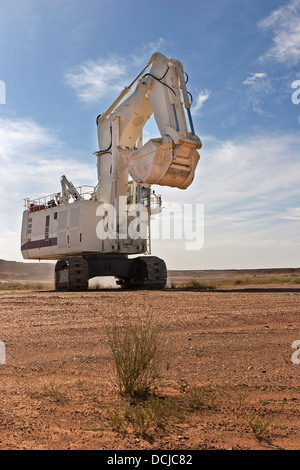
x=144 y=272
x=147 y=272
x=71 y=274
x=156 y=273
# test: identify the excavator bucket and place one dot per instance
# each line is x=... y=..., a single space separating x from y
x=163 y=164
x=181 y=171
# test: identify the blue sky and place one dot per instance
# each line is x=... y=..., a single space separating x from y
x=63 y=62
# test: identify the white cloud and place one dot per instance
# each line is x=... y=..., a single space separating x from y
x=292 y=213
x=250 y=190
x=263 y=167
x=259 y=86
x=254 y=76
x=285 y=24
x=32 y=159
x=143 y=52
x=245 y=184
x=202 y=96
x=21 y=135
x=94 y=80
x=257 y=108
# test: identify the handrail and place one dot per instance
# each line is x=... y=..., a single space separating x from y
x=52 y=200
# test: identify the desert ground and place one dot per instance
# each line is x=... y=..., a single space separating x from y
x=226 y=365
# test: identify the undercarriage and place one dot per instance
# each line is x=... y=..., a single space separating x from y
x=143 y=272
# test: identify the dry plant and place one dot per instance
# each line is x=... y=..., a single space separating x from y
x=54 y=393
x=201 y=397
x=145 y=417
x=134 y=347
x=155 y=412
x=259 y=425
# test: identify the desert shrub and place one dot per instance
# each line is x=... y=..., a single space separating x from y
x=193 y=284
x=259 y=425
x=134 y=347
x=147 y=417
x=54 y=393
x=201 y=397
x=118 y=422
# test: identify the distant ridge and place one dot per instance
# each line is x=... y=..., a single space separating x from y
x=44 y=272
x=222 y=274
x=18 y=271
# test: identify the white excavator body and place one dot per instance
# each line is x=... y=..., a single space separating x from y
x=92 y=231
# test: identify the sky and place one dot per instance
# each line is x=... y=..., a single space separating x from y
x=63 y=62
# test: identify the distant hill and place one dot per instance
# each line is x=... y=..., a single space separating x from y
x=44 y=272
x=18 y=271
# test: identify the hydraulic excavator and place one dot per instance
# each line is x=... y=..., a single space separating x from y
x=100 y=230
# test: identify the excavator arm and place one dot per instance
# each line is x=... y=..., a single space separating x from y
x=169 y=160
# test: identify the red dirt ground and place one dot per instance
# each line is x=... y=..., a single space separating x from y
x=58 y=389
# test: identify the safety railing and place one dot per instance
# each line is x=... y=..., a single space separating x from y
x=52 y=200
